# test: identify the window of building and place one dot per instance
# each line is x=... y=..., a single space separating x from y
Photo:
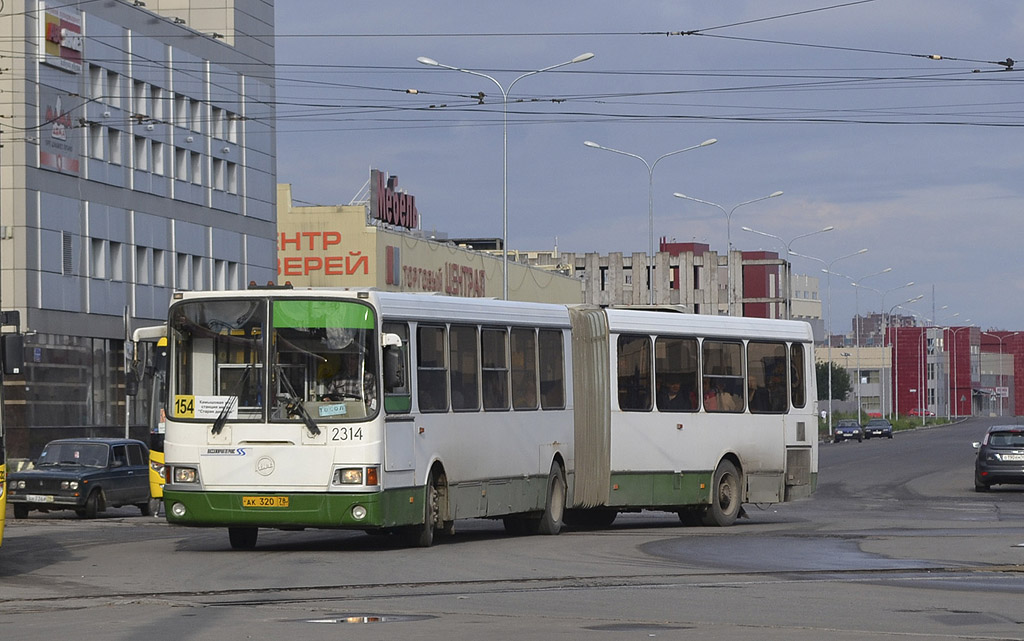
x=116 y=261
x=141 y=147
x=220 y=274
x=158 y=157
x=143 y=267
x=97 y=137
x=217 y=121
x=97 y=82
x=232 y=178
x=196 y=167
x=181 y=163
x=113 y=89
x=219 y=181
x=195 y=115
x=198 y=273
x=97 y=258
x=160 y=267
x=140 y=95
x=114 y=146
x=181 y=111
x=67 y=257
x=156 y=97
x=182 y=280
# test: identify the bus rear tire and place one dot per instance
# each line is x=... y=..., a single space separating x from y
x=243 y=538
x=726 y=496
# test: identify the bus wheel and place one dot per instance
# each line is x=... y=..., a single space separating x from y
x=591 y=518
x=422 y=535
x=243 y=538
x=554 y=510
x=726 y=496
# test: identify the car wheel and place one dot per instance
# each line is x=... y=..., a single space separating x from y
x=92 y=506
x=20 y=511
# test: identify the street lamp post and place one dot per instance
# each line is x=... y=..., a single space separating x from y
x=828 y=322
x=956 y=380
x=1001 y=380
x=728 y=232
x=504 y=169
x=787 y=268
x=650 y=198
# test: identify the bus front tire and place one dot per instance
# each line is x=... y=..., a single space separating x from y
x=554 y=510
x=422 y=535
x=726 y=496
x=243 y=538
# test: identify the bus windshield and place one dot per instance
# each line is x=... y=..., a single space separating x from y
x=289 y=360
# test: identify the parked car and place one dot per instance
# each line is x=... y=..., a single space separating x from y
x=917 y=411
x=1000 y=457
x=878 y=427
x=847 y=429
x=86 y=475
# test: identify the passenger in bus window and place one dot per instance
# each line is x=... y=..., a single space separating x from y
x=672 y=396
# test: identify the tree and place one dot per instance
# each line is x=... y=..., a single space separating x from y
x=841 y=383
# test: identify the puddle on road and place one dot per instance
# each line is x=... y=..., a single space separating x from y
x=775 y=554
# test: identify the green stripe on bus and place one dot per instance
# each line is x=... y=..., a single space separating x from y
x=659 y=489
x=322 y=313
x=320 y=510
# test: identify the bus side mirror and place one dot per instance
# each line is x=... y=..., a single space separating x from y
x=394 y=370
x=131 y=384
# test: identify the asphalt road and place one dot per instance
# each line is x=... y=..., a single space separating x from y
x=895 y=544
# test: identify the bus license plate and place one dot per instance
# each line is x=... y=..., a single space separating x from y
x=264 y=501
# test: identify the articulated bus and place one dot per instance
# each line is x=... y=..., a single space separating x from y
x=403 y=413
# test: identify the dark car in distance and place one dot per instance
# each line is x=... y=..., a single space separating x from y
x=878 y=427
x=1000 y=457
x=847 y=430
x=86 y=475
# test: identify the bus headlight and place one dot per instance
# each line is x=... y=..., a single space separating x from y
x=348 y=476
x=185 y=475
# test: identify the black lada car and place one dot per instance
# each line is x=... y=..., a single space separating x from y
x=86 y=475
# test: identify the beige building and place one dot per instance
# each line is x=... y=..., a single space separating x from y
x=379 y=245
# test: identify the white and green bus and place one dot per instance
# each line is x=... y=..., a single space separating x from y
x=391 y=412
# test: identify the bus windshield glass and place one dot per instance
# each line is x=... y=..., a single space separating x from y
x=286 y=360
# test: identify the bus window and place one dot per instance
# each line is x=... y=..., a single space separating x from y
x=494 y=365
x=552 y=370
x=432 y=374
x=398 y=399
x=796 y=375
x=634 y=368
x=766 y=378
x=723 y=376
x=675 y=371
x=465 y=364
x=524 y=369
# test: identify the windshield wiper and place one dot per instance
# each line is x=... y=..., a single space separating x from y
x=294 y=406
x=222 y=418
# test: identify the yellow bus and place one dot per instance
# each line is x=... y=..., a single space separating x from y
x=150 y=369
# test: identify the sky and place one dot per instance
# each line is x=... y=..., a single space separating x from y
x=839 y=105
